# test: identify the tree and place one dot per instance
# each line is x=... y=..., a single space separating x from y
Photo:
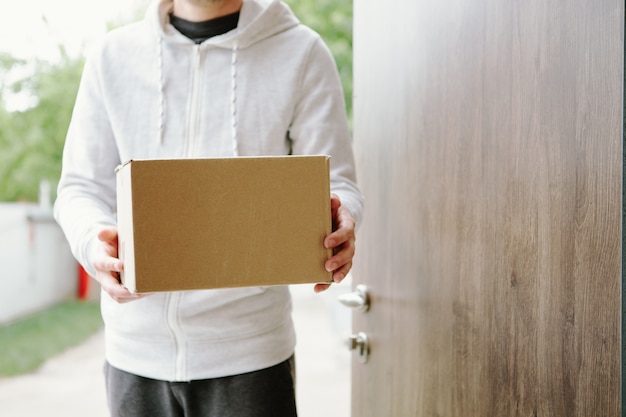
x=32 y=139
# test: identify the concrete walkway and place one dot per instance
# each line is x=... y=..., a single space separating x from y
x=71 y=384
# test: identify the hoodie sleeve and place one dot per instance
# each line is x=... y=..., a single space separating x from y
x=320 y=126
x=86 y=199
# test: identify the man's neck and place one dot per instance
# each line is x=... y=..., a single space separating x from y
x=203 y=10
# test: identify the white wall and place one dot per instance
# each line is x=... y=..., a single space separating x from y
x=37 y=269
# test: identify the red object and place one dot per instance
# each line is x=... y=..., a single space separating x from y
x=83 y=283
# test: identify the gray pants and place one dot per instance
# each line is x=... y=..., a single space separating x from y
x=265 y=393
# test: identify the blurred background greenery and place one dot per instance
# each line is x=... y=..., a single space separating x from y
x=32 y=135
x=27 y=343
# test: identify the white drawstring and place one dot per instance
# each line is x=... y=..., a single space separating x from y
x=233 y=100
x=161 y=92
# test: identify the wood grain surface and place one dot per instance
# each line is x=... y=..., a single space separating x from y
x=489 y=146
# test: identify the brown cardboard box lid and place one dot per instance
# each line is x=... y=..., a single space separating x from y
x=223 y=222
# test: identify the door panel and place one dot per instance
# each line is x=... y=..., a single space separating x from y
x=489 y=139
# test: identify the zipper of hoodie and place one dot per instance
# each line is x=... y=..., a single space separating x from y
x=180 y=354
x=190 y=145
x=193 y=118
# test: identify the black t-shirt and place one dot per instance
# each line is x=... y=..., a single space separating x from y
x=201 y=31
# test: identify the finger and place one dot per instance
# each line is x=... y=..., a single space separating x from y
x=338 y=238
x=321 y=287
x=342 y=272
x=127 y=299
x=107 y=260
x=344 y=230
x=108 y=263
x=108 y=235
x=107 y=278
x=116 y=291
x=342 y=257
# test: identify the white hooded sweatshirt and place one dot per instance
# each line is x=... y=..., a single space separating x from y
x=269 y=87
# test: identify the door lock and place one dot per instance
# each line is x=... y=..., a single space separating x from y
x=360 y=343
x=359 y=299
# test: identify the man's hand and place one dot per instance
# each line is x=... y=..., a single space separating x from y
x=341 y=241
x=108 y=267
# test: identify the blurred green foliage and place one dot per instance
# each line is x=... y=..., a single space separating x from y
x=27 y=344
x=31 y=139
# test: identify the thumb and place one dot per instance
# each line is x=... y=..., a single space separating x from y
x=108 y=235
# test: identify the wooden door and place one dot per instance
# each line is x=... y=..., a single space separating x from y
x=489 y=141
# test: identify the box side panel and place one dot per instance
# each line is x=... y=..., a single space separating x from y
x=303 y=221
x=282 y=218
x=126 y=238
x=325 y=211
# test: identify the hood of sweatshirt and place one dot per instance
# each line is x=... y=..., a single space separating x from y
x=258 y=20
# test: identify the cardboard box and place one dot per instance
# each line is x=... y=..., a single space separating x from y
x=223 y=222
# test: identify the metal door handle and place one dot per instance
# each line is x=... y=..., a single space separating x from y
x=358 y=299
x=361 y=344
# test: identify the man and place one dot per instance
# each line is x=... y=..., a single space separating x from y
x=201 y=78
